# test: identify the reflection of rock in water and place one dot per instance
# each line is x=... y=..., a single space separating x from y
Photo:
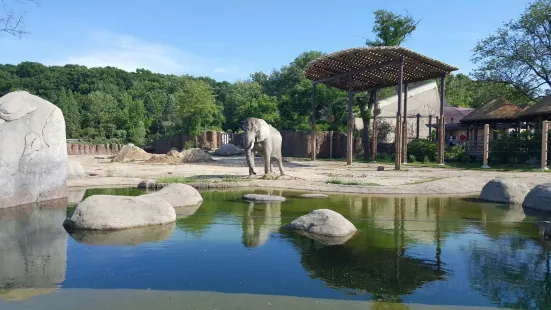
x=76 y=195
x=33 y=246
x=132 y=236
x=504 y=213
x=259 y=221
x=183 y=212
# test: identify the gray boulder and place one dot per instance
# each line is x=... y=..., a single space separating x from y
x=107 y=212
x=33 y=160
x=505 y=191
x=228 y=150
x=313 y=196
x=75 y=170
x=325 y=223
x=263 y=198
x=179 y=195
x=539 y=198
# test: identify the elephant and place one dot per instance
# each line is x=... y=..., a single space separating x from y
x=264 y=138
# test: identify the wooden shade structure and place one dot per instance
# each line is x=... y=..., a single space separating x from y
x=363 y=69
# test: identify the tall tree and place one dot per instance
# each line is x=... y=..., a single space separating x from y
x=390 y=29
x=519 y=53
x=12 y=18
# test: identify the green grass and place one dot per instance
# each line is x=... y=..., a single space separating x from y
x=343 y=182
x=185 y=180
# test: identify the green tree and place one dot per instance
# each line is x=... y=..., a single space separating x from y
x=390 y=29
x=136 y=116
x=69 y=106
x=519 y=53
x=99 y=116
x=196 y=108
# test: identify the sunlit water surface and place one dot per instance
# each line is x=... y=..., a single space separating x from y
x=411 y=250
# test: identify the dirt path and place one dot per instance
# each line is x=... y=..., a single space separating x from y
x=318 y=176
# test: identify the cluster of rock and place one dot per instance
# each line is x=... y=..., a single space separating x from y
x=130 y=152
x=111 y=212
x=323 y=225
x=512 y=191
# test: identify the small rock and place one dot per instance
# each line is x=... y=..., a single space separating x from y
x=147 y=184
x=324 y=222
x=539 y=198
x=313 y=196
x=263 y=198
x=381 y=168
x=228 y=150
x=504 y=191
x=75 y=170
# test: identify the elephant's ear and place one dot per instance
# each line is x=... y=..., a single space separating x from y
x=263 y=132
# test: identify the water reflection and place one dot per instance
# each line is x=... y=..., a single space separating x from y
x=33 y=249
x=133 y=236
x=259 y=221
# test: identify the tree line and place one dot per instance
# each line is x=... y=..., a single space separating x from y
x=109 y=104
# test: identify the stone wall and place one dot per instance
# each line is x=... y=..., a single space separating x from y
x=93 y=149
x=206 y=140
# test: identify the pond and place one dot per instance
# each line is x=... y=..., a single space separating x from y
x=409 y=250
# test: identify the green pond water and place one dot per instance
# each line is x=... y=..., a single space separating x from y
x=409 y=252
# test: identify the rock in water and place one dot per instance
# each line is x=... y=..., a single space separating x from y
x=324 y=222
x=263 y=198
x=33 y=150
x=539 y=198
x=312 y=196
x=147 y=184
x=75 y=170
x=504 y=191
x=105 y=212
x=179 y=195
x=228 y=150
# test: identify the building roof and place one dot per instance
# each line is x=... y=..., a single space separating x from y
x=541 y=107
x=373 y=67
x=454 y=115
x=497 y=109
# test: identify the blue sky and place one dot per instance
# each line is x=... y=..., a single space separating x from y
x=228 y=40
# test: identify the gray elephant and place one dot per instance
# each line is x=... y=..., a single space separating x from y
x=264 y=138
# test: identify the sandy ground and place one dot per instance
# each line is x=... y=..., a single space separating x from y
x=301 y=175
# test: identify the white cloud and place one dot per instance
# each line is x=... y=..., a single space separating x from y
x=130 y=53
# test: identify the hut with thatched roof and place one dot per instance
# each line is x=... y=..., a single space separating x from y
x=537 y=113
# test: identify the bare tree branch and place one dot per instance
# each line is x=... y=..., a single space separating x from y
x=12 y=18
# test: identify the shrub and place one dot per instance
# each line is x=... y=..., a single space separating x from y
x=423 y=148
x=412 y=158
x=454 y=153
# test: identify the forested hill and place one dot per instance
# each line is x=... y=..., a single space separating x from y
x=109 y=104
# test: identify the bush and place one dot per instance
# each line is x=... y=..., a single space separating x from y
x=189 y=144
x=454 y=153
x=412 y=158
x=423 y=148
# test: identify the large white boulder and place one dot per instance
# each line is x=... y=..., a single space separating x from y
x=179 y=195
x=539 y=198
x=228 y=150
x=75 y=170
x=33 y=150
x=505 y=191
x=109 y=212
x=324 y=222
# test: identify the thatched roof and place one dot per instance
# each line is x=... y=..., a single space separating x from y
x=541 y=107
x=374 y=67
x=497 y=109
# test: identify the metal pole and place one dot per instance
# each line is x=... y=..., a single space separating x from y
x=418 y=122
x=486 y=142
x=398 y=142
x=441 y=123
x=405 y=128
x=544 y=144
x=350 y=123
x=313 y=142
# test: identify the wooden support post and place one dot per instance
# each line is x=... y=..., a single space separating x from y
x=398 y=132
x=544 y=144
x=374 y=131
x=418 y=123
x=313 y=142
x=350 y=136
x=441 y=149
x=405 y=127
x=486 y=142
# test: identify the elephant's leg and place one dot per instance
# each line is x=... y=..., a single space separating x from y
x=249 y=153
x=279 y=159
x=267 y=158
